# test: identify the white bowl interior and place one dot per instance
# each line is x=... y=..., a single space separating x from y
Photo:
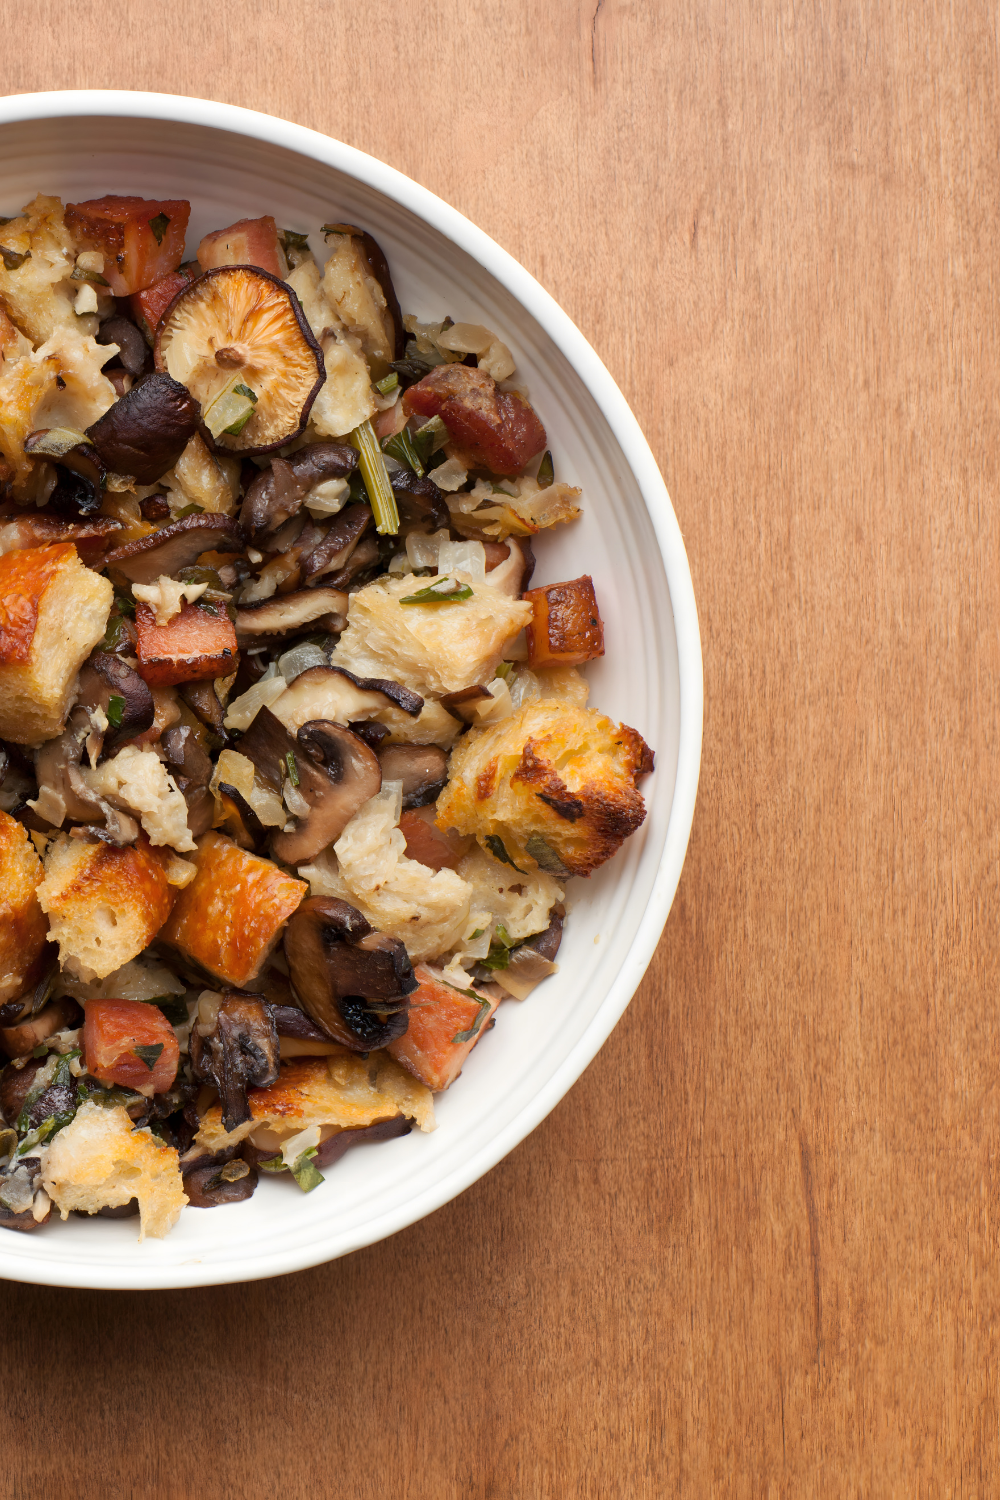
x=540 y=1046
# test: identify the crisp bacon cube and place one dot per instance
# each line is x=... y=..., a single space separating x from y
x=140 y=239
x=566 y=627
x=489 y=428
x=444 y=1026
x=120 y=1042
x=229 y=918
x=193 y=646
x=248 y=242
x=149 y=305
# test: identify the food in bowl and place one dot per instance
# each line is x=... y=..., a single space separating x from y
x=296 y=764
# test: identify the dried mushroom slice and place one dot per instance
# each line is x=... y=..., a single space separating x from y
x=238 y=340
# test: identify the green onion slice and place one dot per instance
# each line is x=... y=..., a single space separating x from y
x=387 y=383
x=293 y=770
x=400 y=447
x=442 y=591
x=373 y=472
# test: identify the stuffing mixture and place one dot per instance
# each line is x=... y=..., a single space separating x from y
x=294 y=763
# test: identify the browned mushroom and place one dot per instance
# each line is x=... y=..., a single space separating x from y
x=15 y=1086
x=419 y=500
x=333 y=1148
x=334 y=693
x=373 y=262
x=279 y=490
x=464 y=702
x=223 y=1178
x=57 y=767
x=21 y=1040
x=192 y=771
x=239 y=821
x=91 y=536
x=324 y=608
x=236 y=1049
x=361 y=557
x=203 y=700
x=512 y=575
x=71 y=449
x=423 y=770
x=133 y=351
x=147 y=430
x=18 y=1185
x=531 y=961
x=339 y=542
x=104 y=677
x=176 y=546
x=352 y=980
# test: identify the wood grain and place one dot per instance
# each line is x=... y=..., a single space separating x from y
x=754 y=1251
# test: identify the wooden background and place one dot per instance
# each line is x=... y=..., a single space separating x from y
x=754 y=1251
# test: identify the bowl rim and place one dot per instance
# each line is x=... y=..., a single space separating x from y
x=559 y=327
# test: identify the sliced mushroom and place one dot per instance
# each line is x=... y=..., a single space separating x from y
x=176 y=546
x=463 y=702
x=79 y=474
x=350 y=776
x=225 y=1178
x=352 y=981
x=133 y=351
x=239 y=821
x=21 y=1040
x=291 y=1022
x=32 y=1001
x=278 y=491
x=357 y=259
x=236 y=1050
x=531 y=961
x=192 y=771
x=419 y=500
x=90 y=536
x=15 y=1086
x=321 y=607
x=512 y=576
x=334 y=1147
x=334 y=693
x=105 y=676
x=365 y=555
x=338 y=543
x=203 y=700
x=372 y=732
x=238 y=339
x=147 y=430
x=423 y=770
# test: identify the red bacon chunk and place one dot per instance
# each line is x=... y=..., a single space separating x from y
x=149 y=305
x=140 y=239
x=194 y=645
x=490 y=429
x=120 y=1041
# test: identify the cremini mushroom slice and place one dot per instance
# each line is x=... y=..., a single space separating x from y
x=279 y=491
x=147 y=430
x=237 y=338
x=234 y=1045
x=179 y=545
x=422 y=769
x=324 y=608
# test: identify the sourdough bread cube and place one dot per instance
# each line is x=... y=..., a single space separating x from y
x=99 y=1161
x=105 y=904
x=229 y=918
x=53 y=612
x=23 y=928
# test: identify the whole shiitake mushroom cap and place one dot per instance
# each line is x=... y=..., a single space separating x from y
x=242 y=323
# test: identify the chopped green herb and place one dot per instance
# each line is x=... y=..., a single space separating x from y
x=188 y=510
x=38 y=1136
x=159 y=227
x=116 y=710
x=545 y=856
x=306 y=1175
x=274 y=1164
x=106 y=1098
x=387 y=383
x=327 y=229
x=12 y=259
x=499 y=954
x=292 y=240
x=437 y=593
x=484 y=1005
x=149 y=1055
x=429 y=438
x=40 y=1051
x=116 y=635
x=373 y=472
x=79 y=274
x=8 y=1141
x=498 y=849
x=402 y=450
x=504 y=669
x=477 y=934
x=293 y=770
x=174 y=1007
x=124 y=603
x=546 y=473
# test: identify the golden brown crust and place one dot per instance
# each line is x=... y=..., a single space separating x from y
x=231 y=915
x=505 y=786
x=24 y=577
x=566 y=627
x=23 y=926
x=105 y=904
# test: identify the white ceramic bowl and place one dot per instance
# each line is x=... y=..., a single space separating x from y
x=232 y=163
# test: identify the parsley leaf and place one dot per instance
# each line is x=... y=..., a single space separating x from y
x=159 y=227
x=150 y=1055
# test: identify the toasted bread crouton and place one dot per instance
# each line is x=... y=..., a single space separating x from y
x=195 y=645
x=345 y=398
x=38 y=294
x=59 y=385
x=136 y=780
x=345 y=1092
x=23 y=928
x=432 y=648
x=505 y=788
x=104 y=904
x=566 y=627
x=521 y=902
x=99 y=1161
x=53 y=612
x=230 y=916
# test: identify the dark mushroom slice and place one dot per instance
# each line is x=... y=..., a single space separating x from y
x=105 y=677
x=91 y=535
x=334 y=693
x=18 y=1185
x=129 y=1210
x=352 y=981
x=21 y=1040
x=218 y=1183
x=133 y=351
x=291 y=1022
x=79 y=487
x=239 y=821
x=239 y=1051
x=392 y=344
x=174 y=547
x=373 y=733
x=278 y=491
x=462 y=704
x=366 y=554
x=15 y=1086
x=423 y=770
x=33 y=1000
x=147 y=430
x=419 y=500
x=338 y=774
x=334 y=1147
x=282 y=614
x=238 y=339
x=533 y=960
x=203 y=700
x=192 y=770
x=54 y=761
x=338 y=543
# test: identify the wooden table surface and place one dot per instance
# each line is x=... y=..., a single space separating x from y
x=754 y=1251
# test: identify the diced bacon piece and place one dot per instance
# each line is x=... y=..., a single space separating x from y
x=428 y=845
x=248 y=242
x=193 y=646
x=120 y=1038
x=489 y=428
x=566 y=627
x=444 y=1026
x=140 y=239
x=149 y=305
x=230 y=916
